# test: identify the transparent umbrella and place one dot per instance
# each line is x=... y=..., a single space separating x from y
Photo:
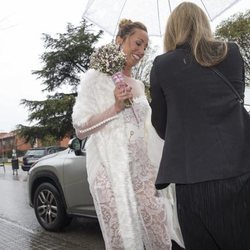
x=106 y=14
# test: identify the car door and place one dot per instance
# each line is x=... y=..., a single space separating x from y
x=77 y=194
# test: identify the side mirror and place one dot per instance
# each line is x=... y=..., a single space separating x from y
x=75 y=144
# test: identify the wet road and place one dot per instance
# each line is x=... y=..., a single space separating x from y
x=19 y=228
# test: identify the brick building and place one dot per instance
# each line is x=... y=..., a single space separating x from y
x=10 y=141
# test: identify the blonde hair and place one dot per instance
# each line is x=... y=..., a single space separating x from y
x=189 y=24
x=127 y=28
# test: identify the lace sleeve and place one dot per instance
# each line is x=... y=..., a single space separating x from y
x=95 y=123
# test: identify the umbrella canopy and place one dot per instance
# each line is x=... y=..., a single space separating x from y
x=153 y=13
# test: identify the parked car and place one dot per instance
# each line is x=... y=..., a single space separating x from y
x=58 y=187
x=33 y=154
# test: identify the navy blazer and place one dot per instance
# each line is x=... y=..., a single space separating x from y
x=206 y=130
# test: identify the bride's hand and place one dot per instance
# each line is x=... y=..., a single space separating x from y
x=121 y=94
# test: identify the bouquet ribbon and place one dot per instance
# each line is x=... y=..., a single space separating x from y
x=119 y=79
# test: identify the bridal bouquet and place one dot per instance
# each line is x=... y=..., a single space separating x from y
x=109 y=60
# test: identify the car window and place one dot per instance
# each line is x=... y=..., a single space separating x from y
x=37 y=152
x=52 y=150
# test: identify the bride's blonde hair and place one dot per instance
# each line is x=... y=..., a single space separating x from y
x=127 y=28
x=189 y=24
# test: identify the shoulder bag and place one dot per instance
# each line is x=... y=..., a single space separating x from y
x=229 y=84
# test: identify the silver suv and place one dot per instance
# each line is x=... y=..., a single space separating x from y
x=58 y=187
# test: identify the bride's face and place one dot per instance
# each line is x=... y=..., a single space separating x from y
x=134 y=46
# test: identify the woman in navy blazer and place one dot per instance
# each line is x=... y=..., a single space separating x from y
x=206 y=132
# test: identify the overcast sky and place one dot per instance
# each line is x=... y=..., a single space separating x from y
x=22 y=23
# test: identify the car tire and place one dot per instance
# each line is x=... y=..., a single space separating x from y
x=49 y=208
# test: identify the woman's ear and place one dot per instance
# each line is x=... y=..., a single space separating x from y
x=118 y=41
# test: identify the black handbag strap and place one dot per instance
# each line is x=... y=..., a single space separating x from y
x=228 y=83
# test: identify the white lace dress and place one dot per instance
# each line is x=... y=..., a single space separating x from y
x=146 y=213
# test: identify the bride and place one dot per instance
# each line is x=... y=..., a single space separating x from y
x=121 y=168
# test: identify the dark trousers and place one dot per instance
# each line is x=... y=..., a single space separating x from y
x=175 y=246
x=215 y=215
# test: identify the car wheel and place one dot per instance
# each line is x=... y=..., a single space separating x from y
x=49 y=208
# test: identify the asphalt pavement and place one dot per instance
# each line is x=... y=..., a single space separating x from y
x=19 y=229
